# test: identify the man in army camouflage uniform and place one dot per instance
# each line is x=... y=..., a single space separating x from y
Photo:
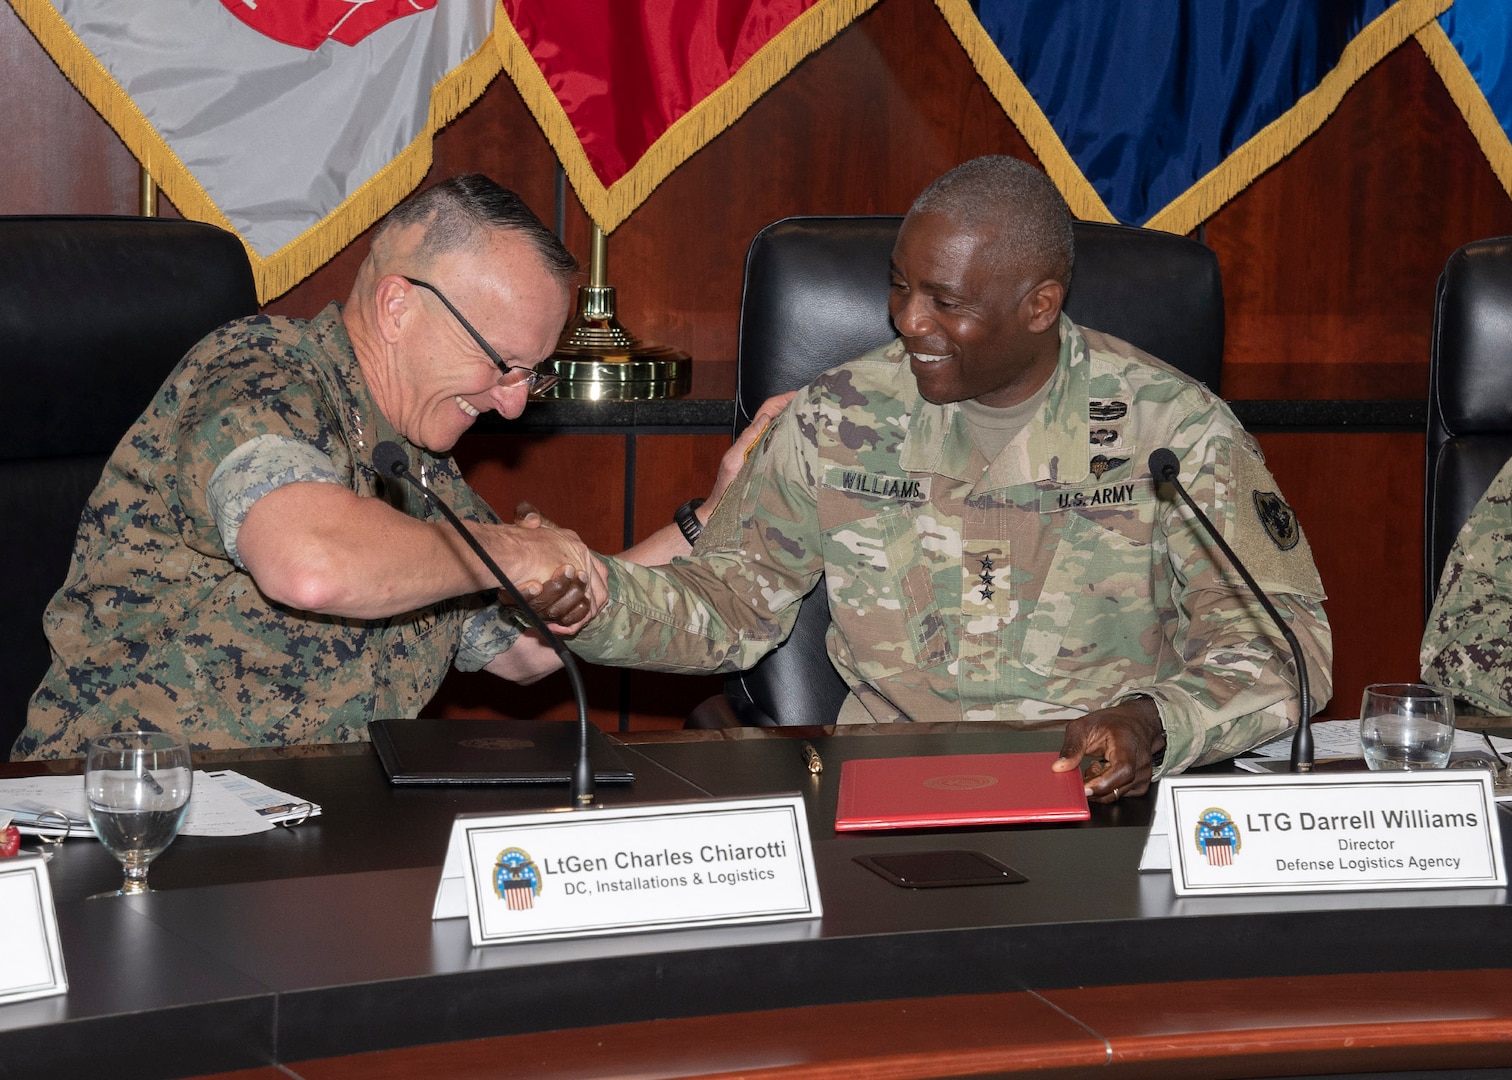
x=242 y=575
x=978 y=499
x=1467 y=646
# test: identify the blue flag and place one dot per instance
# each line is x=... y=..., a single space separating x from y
x=1470 y=46
x=1156 y=112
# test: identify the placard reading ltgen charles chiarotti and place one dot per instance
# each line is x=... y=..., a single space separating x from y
x=573 y=873
x=1330 y=833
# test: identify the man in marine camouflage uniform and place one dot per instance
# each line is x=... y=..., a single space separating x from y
x=978 y=499
x=1467 y=646
x=242 y=575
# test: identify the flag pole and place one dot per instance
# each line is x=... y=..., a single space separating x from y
x=147 y=195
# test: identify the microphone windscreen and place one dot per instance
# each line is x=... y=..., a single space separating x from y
x=1163 y=464
x=389 y=459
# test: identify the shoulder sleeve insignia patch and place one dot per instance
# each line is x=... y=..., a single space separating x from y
x=1276 y=517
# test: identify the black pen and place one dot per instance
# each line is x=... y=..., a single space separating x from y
x=811 y=757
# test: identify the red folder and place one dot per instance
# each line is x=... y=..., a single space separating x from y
x=957 y=789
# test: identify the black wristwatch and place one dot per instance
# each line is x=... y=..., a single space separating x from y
x=688 y=521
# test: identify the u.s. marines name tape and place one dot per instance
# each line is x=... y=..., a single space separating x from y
x=573 y=873
x=1316 y=833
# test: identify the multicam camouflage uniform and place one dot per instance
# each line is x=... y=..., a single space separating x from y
x=1044 y=584
x=159 y=626
x=1467 y=645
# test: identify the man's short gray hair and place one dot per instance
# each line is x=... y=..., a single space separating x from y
x=453 y=211
x=997 y=191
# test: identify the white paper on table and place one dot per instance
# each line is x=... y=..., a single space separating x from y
x=267 y=802
x=214 y=809
x=27 y=797
x=1341 y=739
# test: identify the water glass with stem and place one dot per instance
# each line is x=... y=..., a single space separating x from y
x=137 y=784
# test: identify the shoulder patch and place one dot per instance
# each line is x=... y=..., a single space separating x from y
x=1264 y=531
x=1278 y=520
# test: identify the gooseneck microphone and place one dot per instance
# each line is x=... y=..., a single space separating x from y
x=1165 y=468
x=389 y=459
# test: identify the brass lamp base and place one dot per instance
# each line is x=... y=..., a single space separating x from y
x=599 y=360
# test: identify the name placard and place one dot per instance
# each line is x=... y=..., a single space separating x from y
x=1271 y=834
x=31 y=958
x=576 y=873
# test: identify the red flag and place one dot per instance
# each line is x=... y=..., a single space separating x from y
x=627 y=91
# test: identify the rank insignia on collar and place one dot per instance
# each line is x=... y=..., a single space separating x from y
x=1101 y=464
x=1278 y=520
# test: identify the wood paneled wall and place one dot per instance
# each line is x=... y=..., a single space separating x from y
x=1329 y=263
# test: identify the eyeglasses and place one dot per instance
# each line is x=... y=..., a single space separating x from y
x=535 y=382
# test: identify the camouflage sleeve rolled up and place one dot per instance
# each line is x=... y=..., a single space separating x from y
x=1467 y=645
x=485 y=634
x=1051 y=581
x=251 y=471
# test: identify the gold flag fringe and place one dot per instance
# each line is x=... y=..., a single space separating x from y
x=609 y=207
x=1470 y=99
x=321 y=242
x=1004 y=84
x=1285 y=133
x=1237 y=171
x=101 y=90
x=302 y=256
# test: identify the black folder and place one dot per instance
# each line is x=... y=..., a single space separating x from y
x=420 y=752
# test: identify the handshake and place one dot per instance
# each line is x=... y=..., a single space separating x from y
x=555 y=571
x=565 y=584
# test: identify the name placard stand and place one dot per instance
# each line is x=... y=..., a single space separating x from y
x=31 y=957
x=578 y=873
x=1432 y=829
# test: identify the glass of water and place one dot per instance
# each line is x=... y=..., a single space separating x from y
x=1406 y=726
x=137 y=784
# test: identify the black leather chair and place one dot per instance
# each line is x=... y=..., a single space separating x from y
x=815 y=296
x=1469 y=394
x=94 y=313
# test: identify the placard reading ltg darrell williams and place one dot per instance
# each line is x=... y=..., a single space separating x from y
x=573 y=873
x=1259 y=834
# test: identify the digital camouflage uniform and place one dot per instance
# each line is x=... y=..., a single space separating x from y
x=158 y=626
x=1467 y=645
x=1044 y=584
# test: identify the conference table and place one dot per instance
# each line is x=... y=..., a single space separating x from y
x=310 y=951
